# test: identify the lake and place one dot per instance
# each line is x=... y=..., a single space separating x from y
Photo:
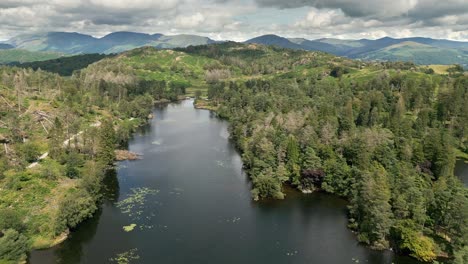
x=461 y=171
x=188 y=201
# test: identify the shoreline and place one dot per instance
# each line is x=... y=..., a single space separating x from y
x=48 y=243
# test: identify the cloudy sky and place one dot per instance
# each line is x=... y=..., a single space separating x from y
x=240 y=19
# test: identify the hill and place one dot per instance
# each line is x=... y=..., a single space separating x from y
x=64 y=66
x=379 y=134
x=274 y=40
x=435 y=51
x=19 y=55
x=418 y=53
x=76 y=43
x=430 y=51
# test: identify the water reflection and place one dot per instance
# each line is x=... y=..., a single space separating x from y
x=461 y=171
x=203 y=212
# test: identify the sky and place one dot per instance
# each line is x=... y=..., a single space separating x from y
x=240 y=19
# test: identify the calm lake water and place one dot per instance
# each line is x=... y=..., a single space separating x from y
x=203 y=212
x=461 y=170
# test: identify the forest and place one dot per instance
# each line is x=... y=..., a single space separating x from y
x=387 y=142
x=382 y=135
x=78 y=121
x=64 y=66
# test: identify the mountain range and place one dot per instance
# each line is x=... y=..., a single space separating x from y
x=417 y=50
x=76 y=43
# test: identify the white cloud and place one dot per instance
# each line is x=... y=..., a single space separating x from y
x=317 y=18
x=191 y=21
x=240 y=19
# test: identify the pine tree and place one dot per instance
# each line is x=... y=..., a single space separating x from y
x=293 y=159
x=374 y=212
x=107 y=142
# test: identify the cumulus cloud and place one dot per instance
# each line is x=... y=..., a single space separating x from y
x=240 y=19
x=353 y=8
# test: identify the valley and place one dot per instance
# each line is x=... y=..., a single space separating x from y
x=377 y=140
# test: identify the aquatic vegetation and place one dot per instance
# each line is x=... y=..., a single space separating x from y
x=135 y=202
x=126 y=257
x=129 y=228
x=134 y=207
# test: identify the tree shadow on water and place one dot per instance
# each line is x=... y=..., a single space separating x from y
x=71 y=250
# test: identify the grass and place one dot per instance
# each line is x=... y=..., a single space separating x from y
x=16 y=55
x=440 y=69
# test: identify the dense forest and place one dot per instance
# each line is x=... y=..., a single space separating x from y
x=384 y=136
x=78 y=121
x=64 y=66
x=385 y=141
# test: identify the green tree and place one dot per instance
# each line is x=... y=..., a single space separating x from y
x=76 y=206
x=30 y=151
x=310 y=159
x=13 y=245
x=266 y=186
x=56 y=139
x=461 y=256
x=293 y=160
x=10 y=219
x=107 y=143
x=418 y=245
x=373 y=209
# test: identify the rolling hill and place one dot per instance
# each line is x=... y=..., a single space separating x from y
x=76 y=43
x=18 y=55
x=417 y=50
x=418 y=53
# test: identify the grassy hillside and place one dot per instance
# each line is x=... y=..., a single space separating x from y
x=17 y=55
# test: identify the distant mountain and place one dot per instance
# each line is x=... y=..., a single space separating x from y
x=274 y=40
x=64 y=42
x=76 y=43
x=418 y=53
x=417 y=50
x=6 y=46
x=181 y=41
x=429 y=51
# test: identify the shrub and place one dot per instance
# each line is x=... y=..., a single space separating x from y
x=13 y=245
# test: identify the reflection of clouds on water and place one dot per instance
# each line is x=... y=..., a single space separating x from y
x=292 y=253
x=233 y=220
x=176 y=191
x=157 y=142
x=224 y=133
x=167 y=120
x=223 y=164
x=218 y=149
x=163 y=148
